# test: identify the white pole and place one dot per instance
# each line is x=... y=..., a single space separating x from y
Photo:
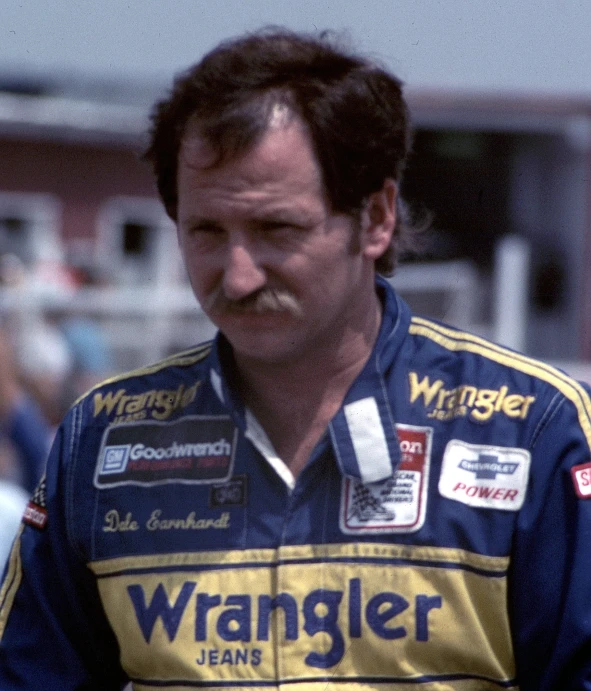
x=511 y=281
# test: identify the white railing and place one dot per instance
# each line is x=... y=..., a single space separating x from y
x=144 y=324
x=140 y=324
x=448 y=291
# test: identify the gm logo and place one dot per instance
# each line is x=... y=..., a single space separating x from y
x=115 y=459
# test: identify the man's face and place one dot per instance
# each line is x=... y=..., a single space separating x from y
x=277 y=272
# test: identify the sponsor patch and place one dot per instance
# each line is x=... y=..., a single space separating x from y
x=35 y=513
x=581 y=475
x=158 y=404
x=489 y=477
x=231 y=493
x=192 y=450
x=336 y=612
x=467 y=400
x=397 y=504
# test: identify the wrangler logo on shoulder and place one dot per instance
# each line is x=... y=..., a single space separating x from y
x=193 y=449
x=158 y=404
x=467 y=401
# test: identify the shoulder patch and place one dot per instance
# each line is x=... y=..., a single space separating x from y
x=196 y=449
x=454 y=340
x=186 y=358
x=35 y=513
x=397 y=504
x=483 y=476
x=581 y=475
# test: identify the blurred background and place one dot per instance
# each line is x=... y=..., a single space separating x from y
x=90 y=277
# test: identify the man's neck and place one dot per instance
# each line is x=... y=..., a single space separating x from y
x=295 y=401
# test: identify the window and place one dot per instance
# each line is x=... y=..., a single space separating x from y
x=29 y=228
x=136 y=243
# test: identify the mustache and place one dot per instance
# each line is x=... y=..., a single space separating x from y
x=263 y=300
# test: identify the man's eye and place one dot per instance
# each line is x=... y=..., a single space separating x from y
x=275 y=226
x=205 y=228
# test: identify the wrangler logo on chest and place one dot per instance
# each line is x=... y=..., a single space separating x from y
x=467 y=400
x=158 y=404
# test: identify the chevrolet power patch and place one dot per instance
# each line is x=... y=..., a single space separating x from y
x=489 y=477
x=196 y=449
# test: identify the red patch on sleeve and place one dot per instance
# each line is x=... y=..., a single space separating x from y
x=581 y=475
x=35 y=516
x=36 y=510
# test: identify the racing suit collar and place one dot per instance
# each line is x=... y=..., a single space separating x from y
x=363 y=432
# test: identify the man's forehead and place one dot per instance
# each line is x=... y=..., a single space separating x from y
x=199 y=151
x=278 y=176
x=281 y=160
x=196 y=151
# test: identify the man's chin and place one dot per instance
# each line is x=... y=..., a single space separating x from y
x=262 y=346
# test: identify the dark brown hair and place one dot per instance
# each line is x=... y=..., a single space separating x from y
x=353 y=109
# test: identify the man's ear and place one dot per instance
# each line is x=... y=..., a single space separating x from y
x=378 y=220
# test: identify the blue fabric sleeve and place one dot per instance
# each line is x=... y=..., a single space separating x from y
x=550 y=584
x=53 y=631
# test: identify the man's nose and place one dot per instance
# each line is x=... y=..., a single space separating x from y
x=243 y=273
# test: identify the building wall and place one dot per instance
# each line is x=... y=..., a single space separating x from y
x=83 y=177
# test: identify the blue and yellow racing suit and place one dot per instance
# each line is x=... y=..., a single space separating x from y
x=438 y=538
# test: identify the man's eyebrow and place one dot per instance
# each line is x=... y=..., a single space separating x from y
x=278 y=215
x=284 y=217
x=289 y=214
x=194 y=221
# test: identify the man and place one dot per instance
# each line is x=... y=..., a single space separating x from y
x=333 y=492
